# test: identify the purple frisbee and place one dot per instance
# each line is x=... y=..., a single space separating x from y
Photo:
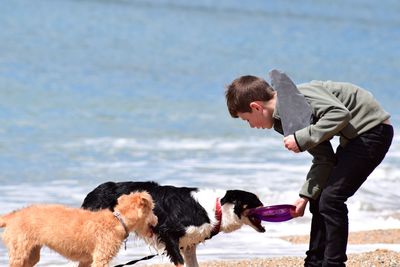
x=275 y=213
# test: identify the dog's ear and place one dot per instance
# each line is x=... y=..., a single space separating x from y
x=241 y=200
x=232 y=196
x=239 y=208
x=146 y=201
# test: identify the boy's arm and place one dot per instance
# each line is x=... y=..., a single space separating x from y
x=322 y=164
x=332 y=116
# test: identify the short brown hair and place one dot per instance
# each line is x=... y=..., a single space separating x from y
x=244 y=90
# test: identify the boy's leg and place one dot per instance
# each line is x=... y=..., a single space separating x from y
x=355 y=162
x=315 y=253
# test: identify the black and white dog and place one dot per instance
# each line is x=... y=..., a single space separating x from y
x=186 y=216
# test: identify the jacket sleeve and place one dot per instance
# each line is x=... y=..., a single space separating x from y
x=331 y=116
x=322 y=164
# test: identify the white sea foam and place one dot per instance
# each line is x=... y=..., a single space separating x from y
x=173 y=144
x=217 y=162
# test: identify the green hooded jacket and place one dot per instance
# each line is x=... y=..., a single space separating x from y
x=339 y=109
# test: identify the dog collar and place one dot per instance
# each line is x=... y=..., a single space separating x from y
x=218 y=216
x=118 y=216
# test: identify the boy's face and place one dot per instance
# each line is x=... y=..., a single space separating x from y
x=260 y=116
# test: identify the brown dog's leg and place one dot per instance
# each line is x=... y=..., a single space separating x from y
x=101 y=257
x=99 y=264
x=18 y=253
x=34 y=256
x=84 y=264
x=18 y=258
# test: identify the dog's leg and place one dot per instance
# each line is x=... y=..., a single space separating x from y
x=189 y=253
x=99 y=264
x=19 y=260
x=19 y=253
x=84 y=264
x=104 y=254
x=34 y=256
x=172 y=248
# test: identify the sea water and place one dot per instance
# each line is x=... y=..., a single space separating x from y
x=106 y=90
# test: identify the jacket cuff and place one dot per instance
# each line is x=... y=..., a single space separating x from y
x=301 y=195
x=303 y=139
x=309 y=191
x=297 y=143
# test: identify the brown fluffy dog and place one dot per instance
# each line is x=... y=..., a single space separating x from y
x=92 y=238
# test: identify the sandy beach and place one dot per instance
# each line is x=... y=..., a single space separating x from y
x=376 y=258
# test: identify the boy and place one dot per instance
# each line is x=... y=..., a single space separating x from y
x=340 y=109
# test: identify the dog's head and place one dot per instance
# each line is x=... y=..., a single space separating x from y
x=137 y=211
x=235 y=206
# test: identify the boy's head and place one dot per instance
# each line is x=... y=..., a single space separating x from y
x=248 y=97
x=244 y=90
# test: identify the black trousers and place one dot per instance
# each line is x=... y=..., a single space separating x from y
x=329 y=226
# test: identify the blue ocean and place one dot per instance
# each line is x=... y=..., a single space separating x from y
x=123 y=90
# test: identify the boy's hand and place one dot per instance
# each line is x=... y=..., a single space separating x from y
x=300 y=204
x=290 y=143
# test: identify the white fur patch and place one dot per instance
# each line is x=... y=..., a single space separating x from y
x=207 y=199
x=197 y=234
x=230 y=221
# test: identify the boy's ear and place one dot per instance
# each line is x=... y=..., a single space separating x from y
x=255 y=105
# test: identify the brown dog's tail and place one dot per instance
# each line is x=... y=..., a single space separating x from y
x=2 y=222
x=4 y=219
